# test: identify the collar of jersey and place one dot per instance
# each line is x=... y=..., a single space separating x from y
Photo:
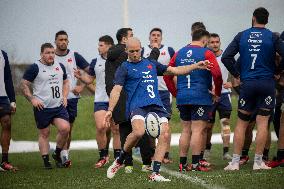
x=68 y=50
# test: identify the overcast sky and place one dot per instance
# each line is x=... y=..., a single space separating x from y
x=26 y=24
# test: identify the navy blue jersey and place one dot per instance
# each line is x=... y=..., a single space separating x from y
x=194 y=87
x=257 y=48
x=140 y=83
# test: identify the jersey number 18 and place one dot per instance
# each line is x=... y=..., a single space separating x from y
x=55 y=92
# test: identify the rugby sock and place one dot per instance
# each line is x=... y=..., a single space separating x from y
x=4 y=157
x=280 y=154
x=156 y=166
x=225 y=150
x=208 y=146
x=103 y=152
x=116 y=153
x=122 y=156
x=167 y=155
x=183 y=160
x=58 y=151
x=195 y=160
x=257 y=159
x=265 y=154
x=245 y=152
x=236 y=159
x=45 y=159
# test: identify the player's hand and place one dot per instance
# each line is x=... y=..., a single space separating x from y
x=107 y=118
x=154 y=44
x=78 y=89
x=227 y=85
x=236 y=82
x=77 y=73
x=215 y=98
x=204 y=65
x=37 y=104
x=13 y=107
x=64 y=102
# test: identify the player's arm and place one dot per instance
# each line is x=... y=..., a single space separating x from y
x=29 y=76
x=9 y=87
x=279 y=47
x=120 y=77
x=65 y=88
x=184 y=70
x=83 y=65
x=87 y=78
x=215 y=71
x=228 y=57
x=92 y=88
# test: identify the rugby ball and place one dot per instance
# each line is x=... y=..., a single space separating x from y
x=152 y=125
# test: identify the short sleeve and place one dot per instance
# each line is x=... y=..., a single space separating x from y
x=92 y=67
x=64 y=71
x=171 y=51
x=31 y=73
x=120 y=75
x=80 y=61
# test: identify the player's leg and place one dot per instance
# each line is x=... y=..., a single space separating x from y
x=61 y=121
x=147 y=152
x=224 y=110
x=248 y=140
x=160 y=151
x=246 y=105
x=184 y=140
x=43 y=119
x=72 y=112
x=166 y=100
x=125 y=129
x=5 y=120
x=200 y=117
x=116 y=140
x=101 y=138
x=266 y=104
x=209 y=130
x=138 y=130
x=262 y=120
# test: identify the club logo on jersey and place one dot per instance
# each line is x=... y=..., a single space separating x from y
x=242 y=102
x=268 y=100
x=150 y=66
x=200 y=111
x=57 y=69
x=69 y=60
x=189 y=53
x=163 y=53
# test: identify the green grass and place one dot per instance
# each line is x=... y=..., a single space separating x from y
x=82 y=174
x=24 y=128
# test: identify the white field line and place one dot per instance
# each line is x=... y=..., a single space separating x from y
x=193 y=179
x=32 y=146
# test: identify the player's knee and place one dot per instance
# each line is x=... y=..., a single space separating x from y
x=6 y=123
x=115 y=130
x=44 y=134
x=101 y=129
x=225 y=127
x=166 y=131
x=243 y=116
x=139 y=133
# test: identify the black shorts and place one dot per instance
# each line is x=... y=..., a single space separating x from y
x=5 y=108
x=45 y=117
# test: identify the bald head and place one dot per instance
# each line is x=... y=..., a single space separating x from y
x=133 y=41
x=133 y=49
